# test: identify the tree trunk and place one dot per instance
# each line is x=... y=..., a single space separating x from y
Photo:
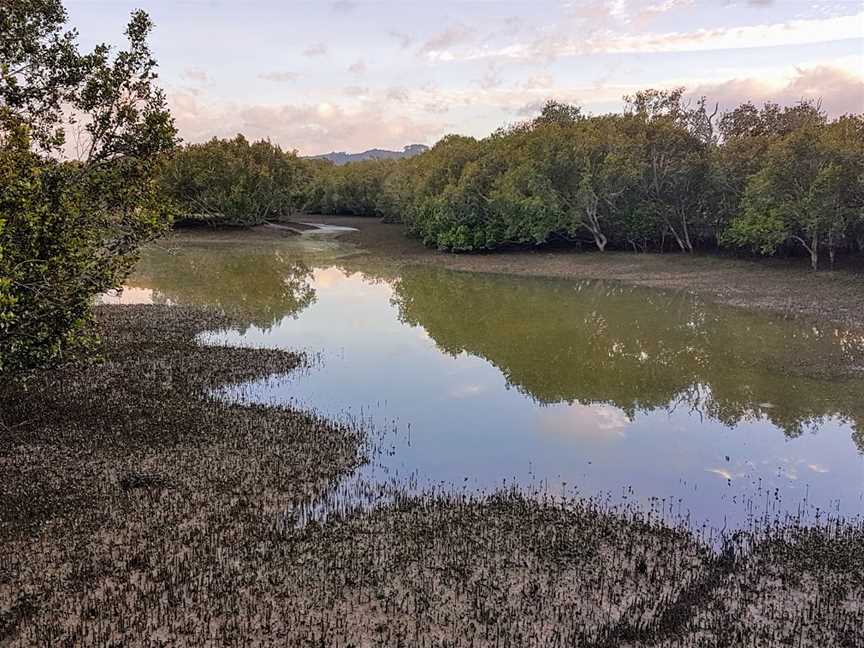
x=814 y=253
x=593 y=222
x=812 y=248
x=681 y=243
x=686 y=230
x=601 y=241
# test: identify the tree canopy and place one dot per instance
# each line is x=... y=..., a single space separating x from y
x=666 y=173
x=81 y=139
x=235 y=182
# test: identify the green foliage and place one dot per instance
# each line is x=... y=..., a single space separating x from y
x=234 y=182
x=614 y=344
x=666 y=172
x=807 y=191
x=70 y=227
x=558 y=114
x=350 y=189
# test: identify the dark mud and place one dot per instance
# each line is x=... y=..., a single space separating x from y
x=139 y=511
x=113 y=469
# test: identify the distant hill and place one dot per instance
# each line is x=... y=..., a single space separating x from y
x=372 y=154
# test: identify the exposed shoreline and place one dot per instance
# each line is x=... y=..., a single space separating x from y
x=786 y=287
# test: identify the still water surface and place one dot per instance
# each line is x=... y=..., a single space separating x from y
x=616 y=391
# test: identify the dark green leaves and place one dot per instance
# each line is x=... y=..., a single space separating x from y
x=71 y=218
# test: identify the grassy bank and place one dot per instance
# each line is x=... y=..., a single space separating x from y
x=138 y=510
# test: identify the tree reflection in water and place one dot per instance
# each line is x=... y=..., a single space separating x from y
x=557 y=341
x=640 y=350
x=255 y=285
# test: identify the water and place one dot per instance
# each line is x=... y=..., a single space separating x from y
x=476 y=380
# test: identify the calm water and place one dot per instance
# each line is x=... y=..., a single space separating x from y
x=617 y=391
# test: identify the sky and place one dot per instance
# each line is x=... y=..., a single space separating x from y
x=350 y=75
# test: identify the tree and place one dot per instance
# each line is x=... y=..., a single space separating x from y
x=676 y=142
x=607 y=168
x=71 y=225
x=557 y=113
x=354 y=188
x=804 y=194
x=665 y=169
x=235 y=182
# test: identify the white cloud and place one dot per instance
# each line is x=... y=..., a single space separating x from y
x=438 y=47
x=403 y=39
x=316 y=49
x=610 y=41
x=196 y=74
x=539 y=81
x=491 y=77
x=279 y=77
x=356 y=91
x=585 y=421
x=397 y=94
x=841 y=91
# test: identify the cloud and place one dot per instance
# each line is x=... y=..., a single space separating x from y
x=308 y=127
x=356 y=91
x=587 y=422
x=491 y=78
x=538 y=81
x=358 y=67
x=531 y=109
x=439 y=45
x=344 y=6
x=461 y=392
x=841 y=92
x=436 y=107
x=196 y=74
x=722 y=472
x=397 y=94
x=316 y=49
x=647 y=14
x=279 y=77
x=405 y=40
x=794 y=32
x=637 y=41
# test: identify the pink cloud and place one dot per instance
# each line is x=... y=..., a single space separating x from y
x=309 y=128
x=840 y=91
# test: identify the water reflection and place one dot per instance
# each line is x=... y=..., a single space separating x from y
x=639 y=350
x=256 y=286
x=490 y=377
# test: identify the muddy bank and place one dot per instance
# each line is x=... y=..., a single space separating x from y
x=114 y=472
x=783 y=286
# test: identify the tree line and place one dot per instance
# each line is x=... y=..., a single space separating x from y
x=665 y=174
